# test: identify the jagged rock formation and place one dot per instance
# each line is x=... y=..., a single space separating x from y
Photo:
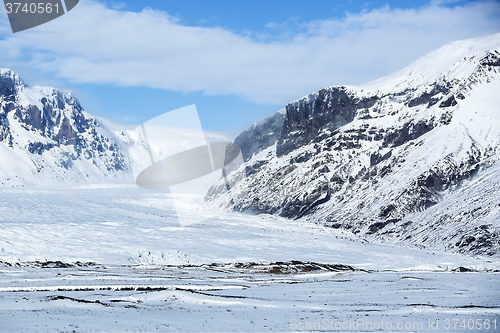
x=389 y=159
x=46 y=136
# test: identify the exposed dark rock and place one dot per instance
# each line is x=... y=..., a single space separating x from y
x=377 y=158
x=304 y=203
x=255 y=167
x=463 y=269
x=429 y=97
x=9 y=82
x=67 y=135
x=303 y=157
x=39 y=147
x=491 y=60
x=323 y=169
x=283 y=267
x=328 y=108
x=450 y=101
x=54 y=264
x=409 y=131
x=386 y=211
x=260 y=135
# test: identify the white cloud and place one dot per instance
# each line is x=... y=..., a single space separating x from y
x=118 y=5
x=96 y=44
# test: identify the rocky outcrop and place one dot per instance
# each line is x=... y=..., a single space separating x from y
x=328 y=109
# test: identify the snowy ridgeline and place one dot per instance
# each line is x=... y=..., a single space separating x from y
x=47 y=139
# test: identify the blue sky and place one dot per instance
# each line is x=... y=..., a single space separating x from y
x=238 y=61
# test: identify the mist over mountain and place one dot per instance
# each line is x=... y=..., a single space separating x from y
x=410 y=158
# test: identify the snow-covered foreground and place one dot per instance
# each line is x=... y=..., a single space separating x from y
x=139 y=270
x=212 y=299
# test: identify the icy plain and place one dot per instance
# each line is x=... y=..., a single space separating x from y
x=113 y=258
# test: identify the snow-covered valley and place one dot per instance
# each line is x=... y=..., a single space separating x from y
x=113 y=258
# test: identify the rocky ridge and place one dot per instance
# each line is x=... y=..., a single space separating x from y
x=47 y=137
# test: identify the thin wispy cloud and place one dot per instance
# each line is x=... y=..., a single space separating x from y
x=101 y=45
x=118 y=5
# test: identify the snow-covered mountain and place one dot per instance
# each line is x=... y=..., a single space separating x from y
x=413 y=157
x=46 y=137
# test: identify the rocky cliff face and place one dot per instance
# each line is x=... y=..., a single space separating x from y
x=260 y=135
x=387 y=159
x=46 y=136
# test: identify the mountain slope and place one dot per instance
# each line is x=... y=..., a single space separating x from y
x=47 y=137
x=394 y=159
x=260 y=135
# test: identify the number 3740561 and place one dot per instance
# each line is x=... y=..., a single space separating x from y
x=471 y=324
x=32 y=8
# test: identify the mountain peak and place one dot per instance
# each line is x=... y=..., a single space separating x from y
x=49 y=137
x=9 y=82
